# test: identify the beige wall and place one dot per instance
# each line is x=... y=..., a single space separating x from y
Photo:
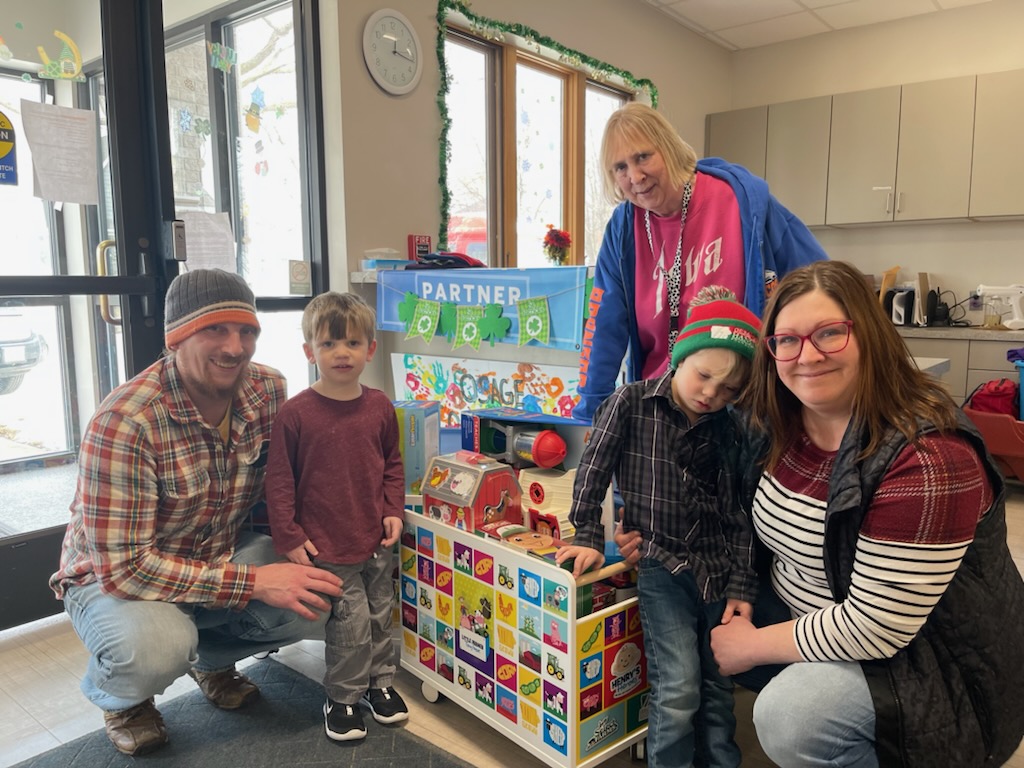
x=391 y=149
x=382 y=151
x=391 y=143
x=963 y=41
x=970 y=40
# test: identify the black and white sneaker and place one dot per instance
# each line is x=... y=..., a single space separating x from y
x=343 y=722
x=386 y=705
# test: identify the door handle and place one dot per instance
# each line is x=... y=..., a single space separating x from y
x=101 y=270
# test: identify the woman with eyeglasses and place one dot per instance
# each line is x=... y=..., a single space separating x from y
x=680 y=225
x=884 y=517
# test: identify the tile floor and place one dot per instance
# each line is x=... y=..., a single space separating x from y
x=41 y=706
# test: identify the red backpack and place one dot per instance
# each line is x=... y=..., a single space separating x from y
x=996 y=396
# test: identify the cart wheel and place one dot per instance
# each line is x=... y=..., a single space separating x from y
x=430 y=693
x=639 y=750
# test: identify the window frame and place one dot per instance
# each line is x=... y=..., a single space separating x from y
x=507 y=46
x=572 y=148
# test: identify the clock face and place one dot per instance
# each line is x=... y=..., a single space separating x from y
x=392 y=51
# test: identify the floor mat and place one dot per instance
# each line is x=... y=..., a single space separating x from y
x=284 y=727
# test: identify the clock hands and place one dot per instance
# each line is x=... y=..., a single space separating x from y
x=405 y=53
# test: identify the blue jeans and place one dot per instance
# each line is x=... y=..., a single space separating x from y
x=137 y=648
x=690 y=718
x=818 y=713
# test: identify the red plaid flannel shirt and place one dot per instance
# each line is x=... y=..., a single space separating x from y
x=161 y=499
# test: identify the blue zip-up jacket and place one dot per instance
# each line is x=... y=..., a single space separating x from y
x=774 y=243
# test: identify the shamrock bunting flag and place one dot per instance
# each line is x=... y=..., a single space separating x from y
x=534 y=320
x=467 y=326
x=424 y=320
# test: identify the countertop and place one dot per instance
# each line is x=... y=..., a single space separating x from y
x=963 y=332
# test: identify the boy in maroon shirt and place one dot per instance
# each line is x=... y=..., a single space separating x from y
x=336 y=499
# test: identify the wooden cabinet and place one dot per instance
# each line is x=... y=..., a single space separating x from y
x=738 y=136
x=796 y=158
x=901 y=153
x=862 y=156
x=971 y=361
x=933 y=167
x=956 y=351
x=944 y=149
x=996 y=188
x=987 y=361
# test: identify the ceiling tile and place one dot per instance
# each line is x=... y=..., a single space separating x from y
x=773 y=30
x=736 y=24
x=872 y=12
x=815 y=4
x=713 y=15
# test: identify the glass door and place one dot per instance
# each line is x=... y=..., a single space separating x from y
x=115 y=120
x=85 y=208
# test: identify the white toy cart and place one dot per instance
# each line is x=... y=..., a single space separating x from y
x=494 y=628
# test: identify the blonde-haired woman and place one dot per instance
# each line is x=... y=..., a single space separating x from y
x=682 y=224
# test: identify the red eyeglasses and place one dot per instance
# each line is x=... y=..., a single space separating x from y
x=827 y=339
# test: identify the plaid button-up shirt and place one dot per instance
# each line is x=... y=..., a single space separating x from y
x=161 y=498
x=678 y=483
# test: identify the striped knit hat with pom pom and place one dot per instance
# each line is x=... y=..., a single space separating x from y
x=716 y=319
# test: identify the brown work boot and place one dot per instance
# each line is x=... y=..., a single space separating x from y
x=227 y=689
x=136 y=730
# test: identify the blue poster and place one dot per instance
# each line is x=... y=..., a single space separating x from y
x=8 y=153
x=564 y=288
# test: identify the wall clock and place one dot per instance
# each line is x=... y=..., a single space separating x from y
x=392 y=51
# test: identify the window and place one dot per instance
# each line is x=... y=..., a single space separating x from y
x=242 y=105
x=524 y=119
x=471 y=167
x=237 y=143
x=27 y=220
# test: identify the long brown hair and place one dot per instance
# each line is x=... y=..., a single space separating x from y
x=891 y=391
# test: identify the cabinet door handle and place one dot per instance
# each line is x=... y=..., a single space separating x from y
x=888 y=202
x=899 y=202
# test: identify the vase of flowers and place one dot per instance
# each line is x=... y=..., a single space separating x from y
x=556 y=245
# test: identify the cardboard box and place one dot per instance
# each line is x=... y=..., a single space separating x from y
x=419 y=430
x=493 y=431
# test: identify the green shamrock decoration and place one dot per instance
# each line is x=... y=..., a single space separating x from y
x=202 y=127
x=449 y=321
x=493 y=326
x=407 y=308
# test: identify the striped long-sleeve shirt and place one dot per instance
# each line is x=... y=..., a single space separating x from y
x=161 y=498
x=913 y=538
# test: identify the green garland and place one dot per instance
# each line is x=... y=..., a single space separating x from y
x=495 y=30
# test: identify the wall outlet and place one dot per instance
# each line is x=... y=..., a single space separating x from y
x=975 y=302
